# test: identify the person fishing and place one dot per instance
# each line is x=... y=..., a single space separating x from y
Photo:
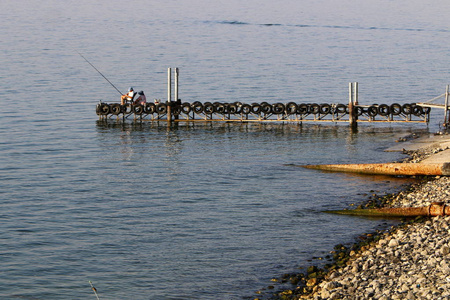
x=140 y=98
x=128 y=97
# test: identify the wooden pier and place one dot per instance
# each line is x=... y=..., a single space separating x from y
x=445 y=106
x=174 y=110
x=263 y=112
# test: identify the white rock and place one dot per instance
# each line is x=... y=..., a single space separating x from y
x=393 y=243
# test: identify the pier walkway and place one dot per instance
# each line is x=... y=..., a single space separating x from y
x=263 y=112
x=174 y=110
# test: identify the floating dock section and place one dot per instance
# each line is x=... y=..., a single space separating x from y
x=263 y=112
x=175 y=110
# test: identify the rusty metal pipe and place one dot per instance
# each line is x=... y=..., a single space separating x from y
x=400 y=169
x=433 y=210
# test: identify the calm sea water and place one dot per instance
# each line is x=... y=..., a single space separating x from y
x=193 y=211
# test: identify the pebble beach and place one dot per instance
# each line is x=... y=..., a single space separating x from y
x=408 y=261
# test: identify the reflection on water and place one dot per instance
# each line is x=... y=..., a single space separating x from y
x=194 y=210
x=273 y=128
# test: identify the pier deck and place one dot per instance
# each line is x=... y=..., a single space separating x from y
x=263 y=112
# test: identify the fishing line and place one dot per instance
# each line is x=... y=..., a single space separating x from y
x=99 y=72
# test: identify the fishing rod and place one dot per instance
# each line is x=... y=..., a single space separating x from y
x=94 y=289
x=99 y=72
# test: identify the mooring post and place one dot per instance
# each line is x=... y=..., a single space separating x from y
x=352 y=101
x=169 y=95
x=176 y=83
x=177 y=72
x=446 y=121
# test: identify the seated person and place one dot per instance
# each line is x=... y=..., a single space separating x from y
x=140 y=98
x=128 y=97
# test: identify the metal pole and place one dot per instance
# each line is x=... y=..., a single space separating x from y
x=176 y=84
x=350 y=103
x=176 y=92
x=169 y=95
x=169 y=84
x=446 y=107
x=355 y=103
x=351 y=106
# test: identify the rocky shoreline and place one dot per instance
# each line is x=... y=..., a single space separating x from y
x=409 y=261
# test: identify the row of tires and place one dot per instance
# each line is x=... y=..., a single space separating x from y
x=393 y=109
x=265 y=108
x=104 y=109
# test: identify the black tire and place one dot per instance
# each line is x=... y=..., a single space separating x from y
x=161 y=108
x=176 y=108
x=105 y=109
x=266 y=108
x=302 y=109
x=219 y=108
x=359 y=110
x=325 y=109
x=256 y=108
x=372 y=111
x=291 y=108
x=407 y=109
x=197 y=107
x=278 y=108
x=246 y=109
x=426 y=110
x=127 y=109
x=138 y=109
x=149 y=108
x=116 y=109
x=208 y=108
x=238 y=107
x=186 y=108
x=384 y=110
x=340 y=109
x=314 y=108
x=231 y=108
x=417 y=110
x=396 y=109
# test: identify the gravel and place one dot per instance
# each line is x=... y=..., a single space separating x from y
x=411 y=261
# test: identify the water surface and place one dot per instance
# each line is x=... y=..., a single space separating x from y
x=195 y=211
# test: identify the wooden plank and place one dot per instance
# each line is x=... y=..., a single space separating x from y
x=432 y=105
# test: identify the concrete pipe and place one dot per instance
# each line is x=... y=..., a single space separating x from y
x=433 y=210
x=399 y=169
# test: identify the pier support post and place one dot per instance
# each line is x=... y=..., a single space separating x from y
x=352 y=102
x=169 y=95
x=446 y=121
x=176 y=84
x=177 y=72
